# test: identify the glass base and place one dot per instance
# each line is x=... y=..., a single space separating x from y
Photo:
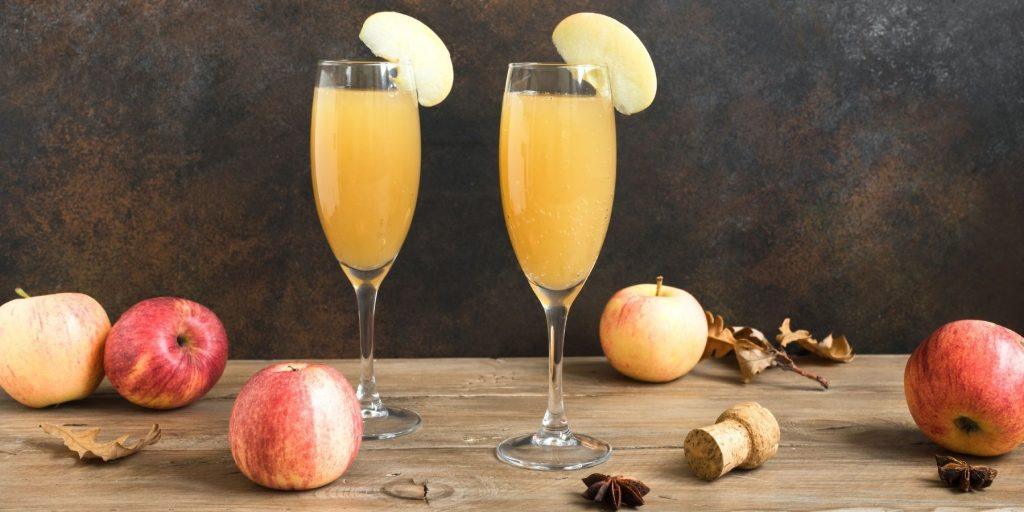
x=390 y=423
x=565 y=453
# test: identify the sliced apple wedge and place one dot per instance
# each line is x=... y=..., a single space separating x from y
x=396 y=37
x=590 y=38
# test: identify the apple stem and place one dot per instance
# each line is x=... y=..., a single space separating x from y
x=21 y=293
x=657 y=290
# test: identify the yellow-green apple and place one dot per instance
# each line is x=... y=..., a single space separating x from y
x=165 y=352
x=51 y=347
x=295 y=426
x=965 y=387
x=653 y=333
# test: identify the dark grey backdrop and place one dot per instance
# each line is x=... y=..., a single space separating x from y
x=854 y=165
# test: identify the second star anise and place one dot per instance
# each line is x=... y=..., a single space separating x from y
x=957 y=473
x=615 y=490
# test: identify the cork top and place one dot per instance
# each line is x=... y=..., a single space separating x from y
x=762 y=427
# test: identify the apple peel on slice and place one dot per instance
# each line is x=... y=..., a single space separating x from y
x=590 y=38
x=396 y=37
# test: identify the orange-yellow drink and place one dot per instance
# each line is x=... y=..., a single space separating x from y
x=365 y=147
x=557 y=163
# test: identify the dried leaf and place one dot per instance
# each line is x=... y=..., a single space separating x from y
x=749 y=333
x=85 y=444
x=787 y=335
x=749 y=344
x=720 y=338
x=753 y=352
x=833 y=349
x=836 y=349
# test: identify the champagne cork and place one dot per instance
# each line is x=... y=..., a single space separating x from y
x=745 y=435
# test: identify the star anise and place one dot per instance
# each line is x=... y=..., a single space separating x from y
x=957 y=473
x=615 y=490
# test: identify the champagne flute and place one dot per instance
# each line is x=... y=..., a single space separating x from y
x=557 y=165
x=365 y=159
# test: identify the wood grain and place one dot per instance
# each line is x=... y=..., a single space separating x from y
x=853 y=446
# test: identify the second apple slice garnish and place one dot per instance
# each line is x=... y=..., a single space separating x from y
x=590 y=38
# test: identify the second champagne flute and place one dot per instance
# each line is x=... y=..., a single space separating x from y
x=365 y=152
x=557 y=163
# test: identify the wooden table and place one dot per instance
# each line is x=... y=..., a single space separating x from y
x=852 y=446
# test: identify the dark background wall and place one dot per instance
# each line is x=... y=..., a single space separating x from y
x=854 y=165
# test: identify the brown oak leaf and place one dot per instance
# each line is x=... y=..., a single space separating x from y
x=720 y=338
x=84 y=442
x=834 y=349
x=787 y=335
x=748 y=344
x=753 y=352
x=752 y=361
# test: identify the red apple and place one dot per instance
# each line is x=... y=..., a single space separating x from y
x=295 y=426
x=51 y=347
x=653 y=333
x=965 y=387
x=165 y=352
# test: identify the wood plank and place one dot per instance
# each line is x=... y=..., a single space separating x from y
x=462 y=413
x=208 y=479
x=852 y=446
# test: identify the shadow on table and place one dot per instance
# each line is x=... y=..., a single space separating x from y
x=105 y=401
x=891 y=440
x=209 y=470
x=894 y=440
x=724 y=371
x=600 y=371
x=54 y=447
x=595 y=370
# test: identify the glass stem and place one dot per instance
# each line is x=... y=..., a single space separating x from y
x=369 y=400
x=555 y=427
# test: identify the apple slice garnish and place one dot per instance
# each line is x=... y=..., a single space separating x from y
x=396 y=37
x=590 y=38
